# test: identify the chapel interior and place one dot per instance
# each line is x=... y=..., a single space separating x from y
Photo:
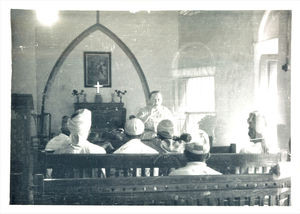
x=212 y=67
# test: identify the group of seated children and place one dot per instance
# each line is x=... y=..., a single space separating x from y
x=150 y=132
x=164 y=141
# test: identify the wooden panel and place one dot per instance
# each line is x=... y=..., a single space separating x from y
x=21 y=102
x=223 y=149
x=105 y=116
x=168 y=183
x=21 y=163
x=98 y=106
x=217 y=161
x=178 y=190
x=112 y=160
x=225 y=163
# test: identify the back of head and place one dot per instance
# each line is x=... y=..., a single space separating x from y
x=176 y=144
x=153 y=92
x=80 y=123
x=198 y=148
x=186 y=137
x=165 y=129
x=131 y=117
x=64 y=125
x=134 y=127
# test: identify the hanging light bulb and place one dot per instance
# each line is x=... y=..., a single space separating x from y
x=47 y=16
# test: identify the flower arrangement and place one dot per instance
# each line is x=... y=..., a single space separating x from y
x=78 y=94
x=120 y=94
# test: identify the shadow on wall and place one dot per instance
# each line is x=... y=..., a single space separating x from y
x=284 y=139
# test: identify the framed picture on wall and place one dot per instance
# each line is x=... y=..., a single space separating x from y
x=97 y=68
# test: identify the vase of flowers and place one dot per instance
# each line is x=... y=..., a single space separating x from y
x=77 y=94
x=120 y=94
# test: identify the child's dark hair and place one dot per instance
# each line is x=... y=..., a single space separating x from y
x=131 y=117
x=153 y=92
x=76 y=113
x=130 y=137
x=186 y=137
x=191 y=157
x=64 y=128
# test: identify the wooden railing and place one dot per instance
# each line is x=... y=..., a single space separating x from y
x=122 y=185
x=211 y=190
x=223 y=149
x=125 y=164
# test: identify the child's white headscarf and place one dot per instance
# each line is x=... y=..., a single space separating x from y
x=79 y=125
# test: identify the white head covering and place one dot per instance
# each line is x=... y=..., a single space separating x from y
x=201 y=145
x=258 y=119
x=134 y=127
x=79 y=125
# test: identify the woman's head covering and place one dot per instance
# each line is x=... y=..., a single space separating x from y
x=134 y=127
x=257 y=125
x=79 y=125
x=199 y=146
x=165 y=129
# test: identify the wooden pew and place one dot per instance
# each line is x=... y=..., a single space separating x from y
x=115 y=164
x=126 y=164
x=118 y=188
x=210 y=190
x=223 y=149
x=228 y=163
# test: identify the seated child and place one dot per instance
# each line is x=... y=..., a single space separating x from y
x=196 y=153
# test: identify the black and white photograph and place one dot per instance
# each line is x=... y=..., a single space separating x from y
x=97 y=68
x=159 y=108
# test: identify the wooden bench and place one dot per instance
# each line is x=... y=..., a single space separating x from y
x=210 y=190
x=228 y=163
x=123 y=188
x=115 y=165
x=126 y=164
x=223 y=149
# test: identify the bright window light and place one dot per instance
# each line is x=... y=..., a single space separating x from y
x=268 y=46
x=200 y=94
x=47 y=16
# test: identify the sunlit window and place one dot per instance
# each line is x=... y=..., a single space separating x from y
x=200 y=94
x=197 y=101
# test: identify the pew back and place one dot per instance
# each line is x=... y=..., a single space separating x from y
x=126 y=164
x=211 y=190
x=243 y=163
x=116 y=165
x=223 y=149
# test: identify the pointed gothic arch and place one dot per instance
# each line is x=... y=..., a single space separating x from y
x=75 y=42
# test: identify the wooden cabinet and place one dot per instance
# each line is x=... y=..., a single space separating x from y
x=21 y=165
x=105 y=116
